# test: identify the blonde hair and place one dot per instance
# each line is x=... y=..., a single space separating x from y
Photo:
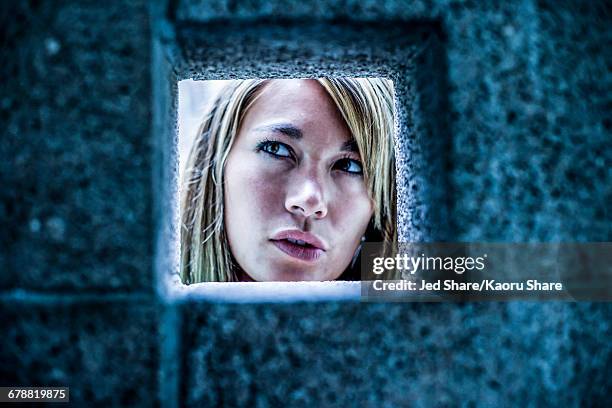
x=366 y=104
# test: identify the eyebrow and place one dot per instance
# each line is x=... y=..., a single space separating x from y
x=350 y=146
x=296 y=133
x=284 y=128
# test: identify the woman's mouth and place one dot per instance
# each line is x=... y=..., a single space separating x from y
x=299 y=244
x=298 y=249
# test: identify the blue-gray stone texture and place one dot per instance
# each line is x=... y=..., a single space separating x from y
x=505 y=123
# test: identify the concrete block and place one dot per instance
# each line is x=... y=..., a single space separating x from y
x=417 y=354
x=106 y=352
x=412 y=55
x=526 y=98
x=75 y=203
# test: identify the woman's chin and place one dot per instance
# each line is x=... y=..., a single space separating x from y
x=283 y=272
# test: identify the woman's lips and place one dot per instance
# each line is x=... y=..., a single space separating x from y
x=302 y=252
x=299 y=244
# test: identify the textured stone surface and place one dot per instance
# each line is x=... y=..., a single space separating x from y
x=505 y=118
x=369 y=10
x=575 y=89
x=529 y=157
x=410 y=54
x=106 y=353
x=76 y=169
x=392 y=355
x=528 y=102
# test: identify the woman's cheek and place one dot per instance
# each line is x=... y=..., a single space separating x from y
x=266 y=182
x=354 y=190
x=356 y=207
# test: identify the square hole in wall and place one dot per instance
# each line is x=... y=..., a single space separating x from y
x=200 y=63
x=284 y=179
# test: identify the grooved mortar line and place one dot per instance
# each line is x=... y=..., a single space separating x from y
x=28 y=296
x=170 y=356
x=169 y=335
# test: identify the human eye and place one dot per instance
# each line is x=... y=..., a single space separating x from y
x=348 y=165
x=275 y=148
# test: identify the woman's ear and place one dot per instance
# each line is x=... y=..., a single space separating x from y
x=353 y=272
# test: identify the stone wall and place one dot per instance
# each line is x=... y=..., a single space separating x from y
x=504 y=134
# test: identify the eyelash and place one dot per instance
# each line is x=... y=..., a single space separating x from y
x=264 y=145
x=350 y=160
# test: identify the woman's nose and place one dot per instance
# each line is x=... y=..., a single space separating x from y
x=306 y=199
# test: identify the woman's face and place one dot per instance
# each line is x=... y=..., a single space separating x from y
x=296 y=205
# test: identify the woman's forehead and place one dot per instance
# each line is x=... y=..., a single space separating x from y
x=305 y=95
x=302 y=106
x=293 y=86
